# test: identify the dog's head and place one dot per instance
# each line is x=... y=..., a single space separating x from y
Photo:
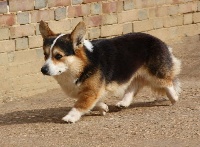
x=60 y=49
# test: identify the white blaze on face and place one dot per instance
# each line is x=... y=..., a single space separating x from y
x=55 y=69
x=59 y=67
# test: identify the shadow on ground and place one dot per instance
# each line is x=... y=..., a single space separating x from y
x=54 y=115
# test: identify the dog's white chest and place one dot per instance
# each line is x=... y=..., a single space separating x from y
x=66 y=81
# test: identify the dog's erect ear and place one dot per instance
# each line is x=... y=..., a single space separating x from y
x=45 y=30
x=78 y=35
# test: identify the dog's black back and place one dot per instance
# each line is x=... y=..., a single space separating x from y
x=120 y=57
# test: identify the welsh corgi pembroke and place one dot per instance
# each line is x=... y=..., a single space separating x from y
x=121 y=66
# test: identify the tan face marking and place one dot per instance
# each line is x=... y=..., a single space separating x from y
x=57 y=55
x=46 y=52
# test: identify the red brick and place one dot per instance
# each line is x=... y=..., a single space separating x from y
x=144 y=3
x=75 y=21
x=4 y=33
x=188 y=18
x=109 y=19
x=187 y=7
x=120 y=6
x=22 y=31
x=56 y=3
x=109 y=7
x=173 y=21
x=21 y=43
x=38 y=15
x=198 y=5
x=160 y=2
x=162 y=33
x=35 y=41
x=93 y=21
x=127 y=16
x=60 y=26
x=21 y=5
x=76 y=11
x=158 y=12
x=94 y=33
x=189 y=30
x=144 y=25
x=7 y=45
x=7 y=20
x=161 y=11
x=111 y=30
x=196 y=17
x=174 y=1
x=173 y=10
x=3 y=59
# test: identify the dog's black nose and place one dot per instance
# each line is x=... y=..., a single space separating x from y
x=45 y=70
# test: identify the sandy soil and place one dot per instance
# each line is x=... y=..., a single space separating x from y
x=150 y=121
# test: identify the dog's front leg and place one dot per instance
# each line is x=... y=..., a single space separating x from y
x=86 y=102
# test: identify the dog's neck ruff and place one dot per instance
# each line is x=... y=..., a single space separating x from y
x=54 y=42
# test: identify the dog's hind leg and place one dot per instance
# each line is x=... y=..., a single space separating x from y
x=173 y=91
x=131 y=91
x=171 y=94
x=127 y=99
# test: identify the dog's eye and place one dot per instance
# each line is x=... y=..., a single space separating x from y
x=58 y=56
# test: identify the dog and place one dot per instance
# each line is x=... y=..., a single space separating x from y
x=121 y=66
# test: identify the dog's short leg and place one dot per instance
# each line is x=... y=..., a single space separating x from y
x=73 y=115
x=127 y=99
x=102 y=107
x=84 y=104
x=171 y=94
x=131 y=91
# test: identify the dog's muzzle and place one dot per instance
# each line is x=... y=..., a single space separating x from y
x=45 y=70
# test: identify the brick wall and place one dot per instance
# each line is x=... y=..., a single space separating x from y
x=21 y=55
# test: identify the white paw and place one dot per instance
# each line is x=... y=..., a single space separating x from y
x=103 y=108
x=73 y=116
x=122 y=104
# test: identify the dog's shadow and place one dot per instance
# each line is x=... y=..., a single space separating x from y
x=54 y=115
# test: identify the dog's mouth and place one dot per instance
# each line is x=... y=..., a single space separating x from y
x=45 y=71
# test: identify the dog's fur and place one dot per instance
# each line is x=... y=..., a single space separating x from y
x=121 y=66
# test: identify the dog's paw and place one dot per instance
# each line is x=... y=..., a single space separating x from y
x=70 y=119
x=73 y=116
x=103 y=108
x=122 y=104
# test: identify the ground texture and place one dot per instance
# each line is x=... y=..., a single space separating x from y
x=150 y=121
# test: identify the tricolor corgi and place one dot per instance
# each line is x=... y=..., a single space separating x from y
x=93 y=70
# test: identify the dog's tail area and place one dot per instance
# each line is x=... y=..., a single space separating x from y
x=176 y=64
x=177 y=86
x=176 y=71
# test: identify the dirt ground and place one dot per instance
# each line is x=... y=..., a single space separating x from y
x=149 y=122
